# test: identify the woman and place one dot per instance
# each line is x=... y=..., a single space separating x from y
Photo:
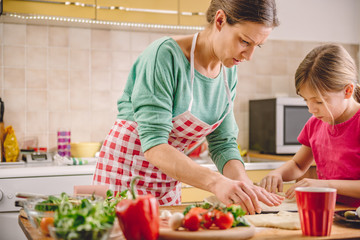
x=179 y=90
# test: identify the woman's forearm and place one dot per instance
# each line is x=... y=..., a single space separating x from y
x=182 y=168
x=234 y=169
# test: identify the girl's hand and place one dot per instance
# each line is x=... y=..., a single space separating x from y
x=245 y=194
x=306 y=182
x=272 y=182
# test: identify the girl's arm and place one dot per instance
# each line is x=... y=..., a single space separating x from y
x=291 y=170
x=344 y=187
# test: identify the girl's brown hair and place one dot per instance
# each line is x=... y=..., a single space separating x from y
x=240 y=11
x=328 y=68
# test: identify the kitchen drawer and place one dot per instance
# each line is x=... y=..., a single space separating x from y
x=193 y=194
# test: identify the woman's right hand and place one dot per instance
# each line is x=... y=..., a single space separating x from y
x=272 y=182
x=247 y=195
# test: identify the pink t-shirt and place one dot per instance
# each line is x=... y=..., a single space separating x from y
x=336 y=150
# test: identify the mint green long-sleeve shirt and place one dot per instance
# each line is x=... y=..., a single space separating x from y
x=159 y=88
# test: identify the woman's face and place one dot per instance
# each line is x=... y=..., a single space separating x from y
x=330 y=108
x=236 y=43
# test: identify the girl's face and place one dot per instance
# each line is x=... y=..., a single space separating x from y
x=329 y=109
x=236 y=43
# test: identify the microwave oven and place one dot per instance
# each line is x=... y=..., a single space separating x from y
x=275 y=124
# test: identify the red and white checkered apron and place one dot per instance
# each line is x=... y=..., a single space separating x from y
x=121 y=157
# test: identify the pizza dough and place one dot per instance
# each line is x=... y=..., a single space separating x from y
x=282 y=219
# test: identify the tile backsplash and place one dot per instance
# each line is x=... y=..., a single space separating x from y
x=60 y=77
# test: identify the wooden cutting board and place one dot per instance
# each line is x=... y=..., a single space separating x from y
x=232 y=233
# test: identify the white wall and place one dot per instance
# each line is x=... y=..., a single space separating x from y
x=318 y=20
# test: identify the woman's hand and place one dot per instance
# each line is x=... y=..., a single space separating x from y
x=245 y=194
x=306 y=182
x=272 y=182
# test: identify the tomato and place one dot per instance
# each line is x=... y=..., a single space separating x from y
x=224 y=220
x=45 y=223
x=197 y=210
x=207 y=219
x=192 y=221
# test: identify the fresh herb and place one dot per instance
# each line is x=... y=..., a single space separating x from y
x=238 y=214
x=87 y=220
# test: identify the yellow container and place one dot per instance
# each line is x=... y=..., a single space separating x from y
x=84 y=149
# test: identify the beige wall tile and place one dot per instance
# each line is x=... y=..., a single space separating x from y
x=36 y=101
x=100 y=60
x=58 y=36
x=100 y=39
x=14 y=56
x=36 y=57
x=81 y=122
x=79 y=100
x=16 y=119
x=102 y=123
x=79 y=59
x=1 y=54
x=79 y=80
x=139 y=41
x=1 y=33
x=15 y=100
x=79 y=38
x=119 y=40
x=59 y=120
x=118 y=80
x=58 y=58
x=156 y=36
x=14 y=78
x=101 y=80
x=58 y=100
x=121 y=61
x=1 y=82
x=43 y=139
x=14 y=34
x=58 y=79
x=36 y=78
x=36 y=122
x=37 y=35
x=100 y=100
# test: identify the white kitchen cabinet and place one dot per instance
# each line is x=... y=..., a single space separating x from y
x=34 y=178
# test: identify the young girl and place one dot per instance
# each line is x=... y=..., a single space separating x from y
x=327 y=80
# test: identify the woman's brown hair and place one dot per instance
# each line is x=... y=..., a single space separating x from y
x=240 y=11
x=328 y=68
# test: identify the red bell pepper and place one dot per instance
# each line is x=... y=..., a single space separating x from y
x=139 y=217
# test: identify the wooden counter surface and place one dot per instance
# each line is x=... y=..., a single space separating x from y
x=339 y=231
x=272 y=157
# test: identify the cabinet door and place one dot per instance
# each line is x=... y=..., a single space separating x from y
x=139 y=11
x=190 y=194
x=83 y=8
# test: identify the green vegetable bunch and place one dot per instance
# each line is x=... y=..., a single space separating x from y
x=87 y=220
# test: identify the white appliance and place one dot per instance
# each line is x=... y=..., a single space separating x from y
x=275 y=123
x=35 y=178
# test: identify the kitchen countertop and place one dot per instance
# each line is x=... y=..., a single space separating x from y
x=339 y=231
x=44 y=169
x=51 y=169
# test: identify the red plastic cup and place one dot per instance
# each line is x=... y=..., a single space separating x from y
x=316 y=209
